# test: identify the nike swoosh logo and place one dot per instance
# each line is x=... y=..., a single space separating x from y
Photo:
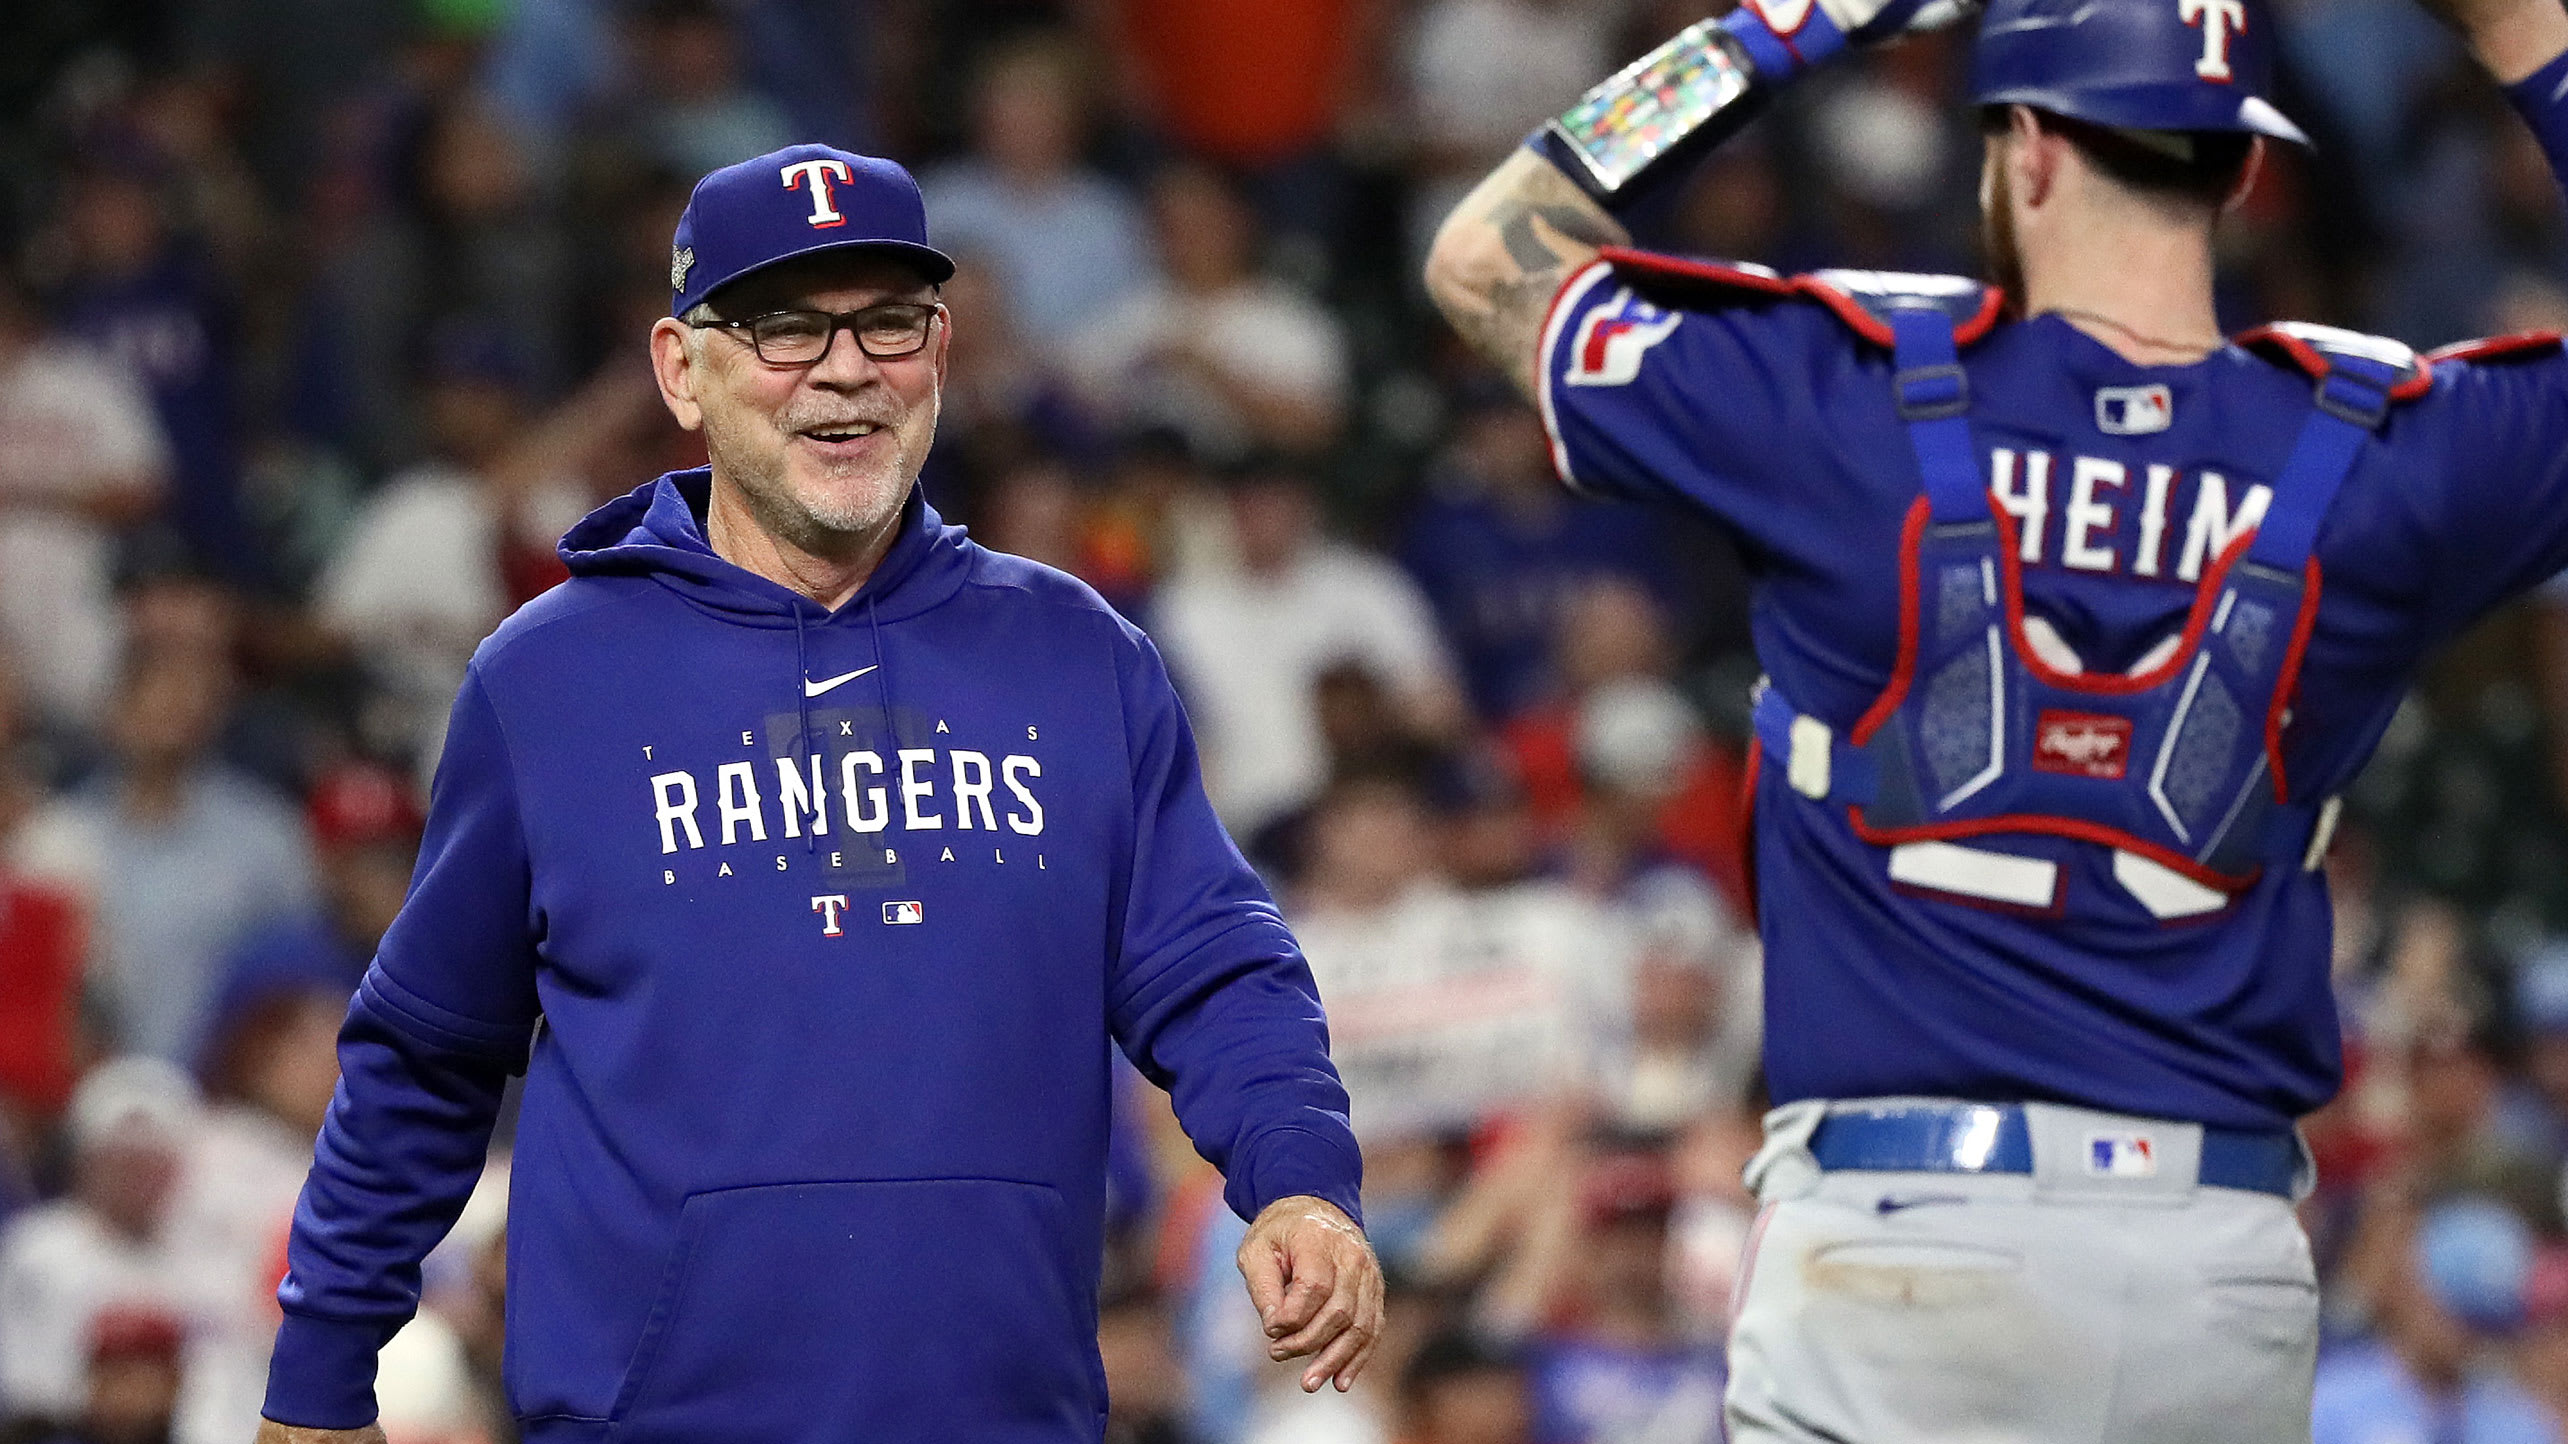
x=1893 y=1203
x=814 y=689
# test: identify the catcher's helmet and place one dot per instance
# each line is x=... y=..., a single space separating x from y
x=2134 y=64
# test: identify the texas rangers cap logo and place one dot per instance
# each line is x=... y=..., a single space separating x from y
x=792 y=203
x=816 y=176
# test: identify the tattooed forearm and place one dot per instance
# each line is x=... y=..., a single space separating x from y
x=1504 y=252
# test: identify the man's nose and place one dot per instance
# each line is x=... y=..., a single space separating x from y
x=844 y=364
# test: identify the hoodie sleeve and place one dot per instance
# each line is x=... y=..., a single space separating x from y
x=1208 y=993
x=442 y=1019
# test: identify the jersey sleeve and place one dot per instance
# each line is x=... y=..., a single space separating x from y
x=1645 y=402
x=2499 y=519
x=1207 y=990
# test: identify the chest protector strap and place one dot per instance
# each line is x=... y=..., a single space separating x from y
x=2177 y=767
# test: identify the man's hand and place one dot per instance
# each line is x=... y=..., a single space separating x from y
x=1317 y=1287
x=272 y=1432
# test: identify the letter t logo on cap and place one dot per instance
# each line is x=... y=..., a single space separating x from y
x=818 y=172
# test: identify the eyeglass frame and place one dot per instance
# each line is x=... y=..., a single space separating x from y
x=838 y=321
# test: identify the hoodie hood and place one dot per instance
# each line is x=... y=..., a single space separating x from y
x=657 y=530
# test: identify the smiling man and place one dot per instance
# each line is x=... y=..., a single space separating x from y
x=808 y=859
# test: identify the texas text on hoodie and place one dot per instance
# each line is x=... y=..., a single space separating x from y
x=830 y=920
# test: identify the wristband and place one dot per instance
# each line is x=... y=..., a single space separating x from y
x=2541 y=98
x=1652 y=119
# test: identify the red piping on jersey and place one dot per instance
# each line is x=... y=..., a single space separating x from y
x=2068 y=827
x=1761 y=282
x=1544 y=410
x=2110 y=684
x=2520 y=345
x=2310 y=362
x=2289 y=678
x=1911 y=533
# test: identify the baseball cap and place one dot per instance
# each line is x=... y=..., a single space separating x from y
x=128 y=1093
x=1636 y=734
x=360 y=804
x=799 y=201
x=2541 y=990
x=2476 y=1258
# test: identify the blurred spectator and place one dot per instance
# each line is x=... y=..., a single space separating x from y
x=43 y=947
x=365 y=824
x=1446 y=1009
x=136 y=292
x=1066 y=241
x=1259 y=86
x=2450 y=1290
x=1612 y=633
x=697 y=115
x=1615 y=1365
x=1246 y=644
x=80 y=456
x=1233 y=360
x=1460 y=1389
x=133 y=1382
x=465 y=239
x=1006 y=403
x=104 y=1247
x=1498 y=546
x=273 y=1064
x=1686 y=1040
x=175 y=856
x=451 y=546
x=1483 y=73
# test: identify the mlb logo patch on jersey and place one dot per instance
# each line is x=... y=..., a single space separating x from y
x=2082 y=744
x=2134 y=410
x=2121 y=1155
x=903 y=914
x=1613 y=338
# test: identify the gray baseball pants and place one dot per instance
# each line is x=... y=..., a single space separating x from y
x=2045 y=1308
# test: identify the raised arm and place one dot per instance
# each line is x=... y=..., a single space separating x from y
x=1549 y=208
x=1503 y=253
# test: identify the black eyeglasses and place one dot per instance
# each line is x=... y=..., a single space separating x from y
x=800 y=338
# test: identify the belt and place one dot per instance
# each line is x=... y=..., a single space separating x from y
x=1994 y=1138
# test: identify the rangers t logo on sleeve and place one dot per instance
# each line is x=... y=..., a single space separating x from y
x=1614 y=337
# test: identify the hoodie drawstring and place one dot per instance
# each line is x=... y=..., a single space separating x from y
x=802 y=701
x=882 y=678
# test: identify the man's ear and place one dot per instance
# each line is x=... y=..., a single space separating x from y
x=2035 y=155
x=2248 y=175
x=944 y=343
x=674 y=370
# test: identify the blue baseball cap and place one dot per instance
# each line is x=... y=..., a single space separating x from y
x=2541 y=990
x=2154 y=65
x=2476 y=1258
x=795 y=202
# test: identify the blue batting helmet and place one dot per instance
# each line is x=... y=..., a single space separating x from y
x=2134 y=64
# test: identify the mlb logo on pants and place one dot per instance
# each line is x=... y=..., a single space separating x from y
x=903 y=913
x=2121 y=1155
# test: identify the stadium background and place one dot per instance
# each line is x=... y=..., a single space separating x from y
x=322 y=318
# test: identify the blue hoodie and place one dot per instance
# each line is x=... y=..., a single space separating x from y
x=811 y=932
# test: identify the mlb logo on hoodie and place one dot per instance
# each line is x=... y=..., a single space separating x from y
x=900 y=914
x=2121 y=1155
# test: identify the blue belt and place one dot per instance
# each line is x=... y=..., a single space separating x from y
x=1994 y=1138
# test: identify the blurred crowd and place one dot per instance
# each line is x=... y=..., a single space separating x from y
x=321 y=319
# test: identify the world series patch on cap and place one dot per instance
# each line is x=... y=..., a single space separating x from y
x=794 y=202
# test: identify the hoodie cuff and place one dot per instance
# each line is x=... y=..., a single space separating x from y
x=322 y=1374
x=1290 y=1161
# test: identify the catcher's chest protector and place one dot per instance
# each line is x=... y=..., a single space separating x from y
x=2176 y=766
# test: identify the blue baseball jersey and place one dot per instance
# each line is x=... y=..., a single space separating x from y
x=1771 y=415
